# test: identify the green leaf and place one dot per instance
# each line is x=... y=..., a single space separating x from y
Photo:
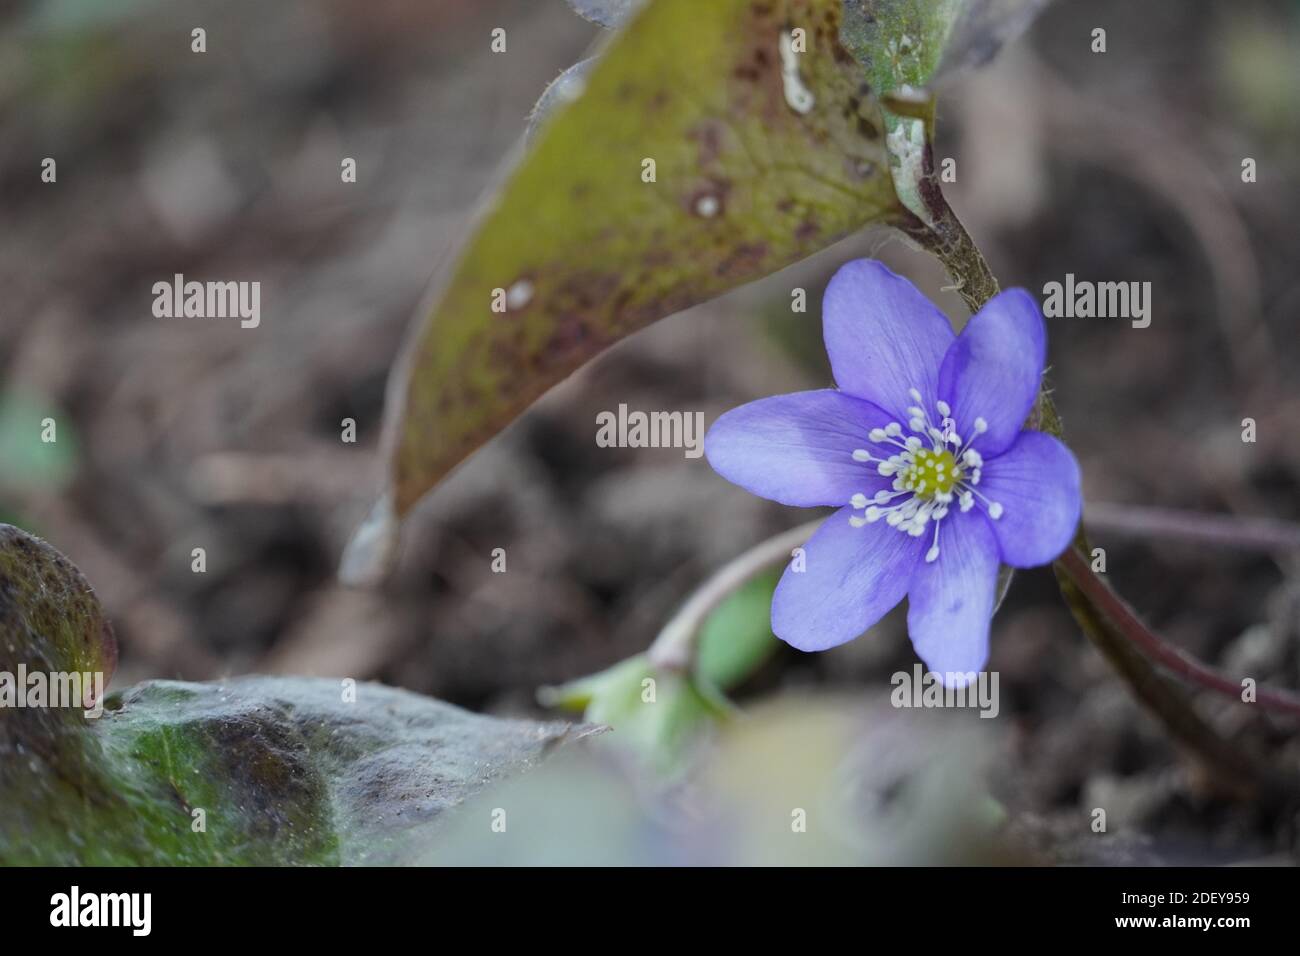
x=899 y=42
x=659 y=715
x=905 y=45
x=914 y=42
x=561 y=91
x=737 y=638
x=27 y=462
x=283 y=770
x=756 y=166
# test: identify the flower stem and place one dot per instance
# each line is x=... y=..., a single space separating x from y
x=1173 y=659
x=945 y=238
x=1110 y=631
x=675 y=647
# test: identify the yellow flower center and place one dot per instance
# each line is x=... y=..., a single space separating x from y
x=931 y=473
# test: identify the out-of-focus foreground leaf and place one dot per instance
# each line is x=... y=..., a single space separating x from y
x=762 y=155
x=283 y=770
x=797 y=782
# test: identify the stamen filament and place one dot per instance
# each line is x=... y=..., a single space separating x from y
x=928 y=480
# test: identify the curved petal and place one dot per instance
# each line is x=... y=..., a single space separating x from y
x=798 y=449
x=994 y=367
x=851 y=578
x=1036 y=481
x=950 y=600
x=883 y=337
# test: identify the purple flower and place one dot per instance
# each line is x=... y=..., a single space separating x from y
x=922 y=449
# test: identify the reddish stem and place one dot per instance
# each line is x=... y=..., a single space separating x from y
x=1173 y=659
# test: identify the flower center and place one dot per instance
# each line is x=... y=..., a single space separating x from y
x=931 y=473
x=926 y=479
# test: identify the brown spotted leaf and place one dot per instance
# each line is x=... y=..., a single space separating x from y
x=256 y=770
x=704 y=151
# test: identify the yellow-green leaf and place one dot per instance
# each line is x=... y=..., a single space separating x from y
x=760 y=155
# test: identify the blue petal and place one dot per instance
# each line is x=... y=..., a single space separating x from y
x=1037 y=483
x=950 y=600
x=852 y=577
x=798 y=449
x=883 y=337
x=993 y=369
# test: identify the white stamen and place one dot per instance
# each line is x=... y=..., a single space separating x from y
x=920 y=476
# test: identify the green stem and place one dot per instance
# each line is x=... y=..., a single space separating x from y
x=676 y=647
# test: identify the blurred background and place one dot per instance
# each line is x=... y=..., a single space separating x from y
x=176 y=434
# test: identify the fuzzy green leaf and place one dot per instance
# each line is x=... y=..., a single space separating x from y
x=284 y=770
